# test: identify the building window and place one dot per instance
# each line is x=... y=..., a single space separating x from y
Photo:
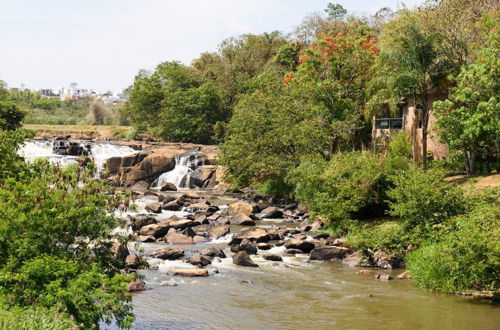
x=391 y=121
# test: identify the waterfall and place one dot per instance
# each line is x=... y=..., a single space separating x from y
x=99 y=152
x=184 y=172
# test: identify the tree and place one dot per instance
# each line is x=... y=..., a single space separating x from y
x=409 y=65
x=469 y=120
x=335 y=70
x=10 y=116
x=335 y=11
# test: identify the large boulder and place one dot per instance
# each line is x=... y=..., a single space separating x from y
x=153 y=207
x=156 y=229
x=218 y=231
x=176 y=238
x=328 y=252
x=243 y=259
x=199 y=260
x=172 y=206
x=241 y=219
x=168 y=187
x=140 y=220
x=240 y=207
x=304 y=246
x=271 y=213
x=213 y=252
x=257 y=235
x=168 y=253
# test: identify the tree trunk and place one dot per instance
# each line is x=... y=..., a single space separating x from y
x=470 y=161
x=425 y=123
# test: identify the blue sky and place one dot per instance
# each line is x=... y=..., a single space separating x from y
x=102 y=44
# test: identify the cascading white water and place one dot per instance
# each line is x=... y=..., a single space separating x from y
x=186 y=166
x=99 y=153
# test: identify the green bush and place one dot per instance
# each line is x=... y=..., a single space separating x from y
x=351 y=185
x=468 y=258
x=55 y=245
x=22 y=319
x=423 y=198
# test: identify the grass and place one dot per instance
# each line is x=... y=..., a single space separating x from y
x=83 y=131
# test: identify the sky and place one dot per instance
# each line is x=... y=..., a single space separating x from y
x=102 y=44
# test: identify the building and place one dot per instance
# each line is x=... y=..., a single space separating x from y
x=409 y=119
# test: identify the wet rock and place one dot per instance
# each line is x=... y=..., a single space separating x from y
x=317 y=224
x=146 y=238
x=328 y=252
x=365 y=272
x=181 y=224
x=151 y=197
x=247 y=246
x=383 y=277
x=246 y=282
x=241 y=219
x=168 y=187
x=271 y=213
x=264 y=246
x=157 y=229
x=176 y=238
x=200 y=239
x=321 y=236
x=136 y=285
x=218 y=231
x=294 y=251
x=383 y=260
x=140 y=220
x=276 y=234
x=272 y=257
x=189 y=272
x=240 y=207
x=243 y=259
x=304 y=246
x=213 y=252
x=132 y=261
x=168 y=253
x=199 y=206
x=300 y=236
x=356 y=259
x=172 y=206
x=213 y=217
x=141 y=186
x=168 y=283
x=404 y=275
x=257 y=235
x=199 y=260
x=153 y=207
x=201 y=219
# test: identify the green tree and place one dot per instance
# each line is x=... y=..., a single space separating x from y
x=10 y=116
x=469 y=120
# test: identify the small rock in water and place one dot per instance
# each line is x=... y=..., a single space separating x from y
x=132 y=261
x=189 y=272
x=153 y=207
x=167 y=253
x=213 y=252
x=243 y=259
x=303 y=246
x=198 y=260
x=247 y=282
x=272 y=257
x=293 y=251
x=365 y=272
x=404 y=275
x=136 y=285
x=168 y=283
x=264 y=246
x=146 y=238
x=383 y=277
x=168 y=187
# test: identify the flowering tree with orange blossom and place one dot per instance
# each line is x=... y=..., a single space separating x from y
x=335 y=71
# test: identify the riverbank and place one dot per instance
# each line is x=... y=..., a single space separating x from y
x=95 y=132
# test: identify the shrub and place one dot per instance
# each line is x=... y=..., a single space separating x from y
x=350 y=185
x=40 y=318
x=467 y=258
x=423 y=198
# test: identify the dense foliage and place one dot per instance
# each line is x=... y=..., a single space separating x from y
x=55 y=241
x=469 y=120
